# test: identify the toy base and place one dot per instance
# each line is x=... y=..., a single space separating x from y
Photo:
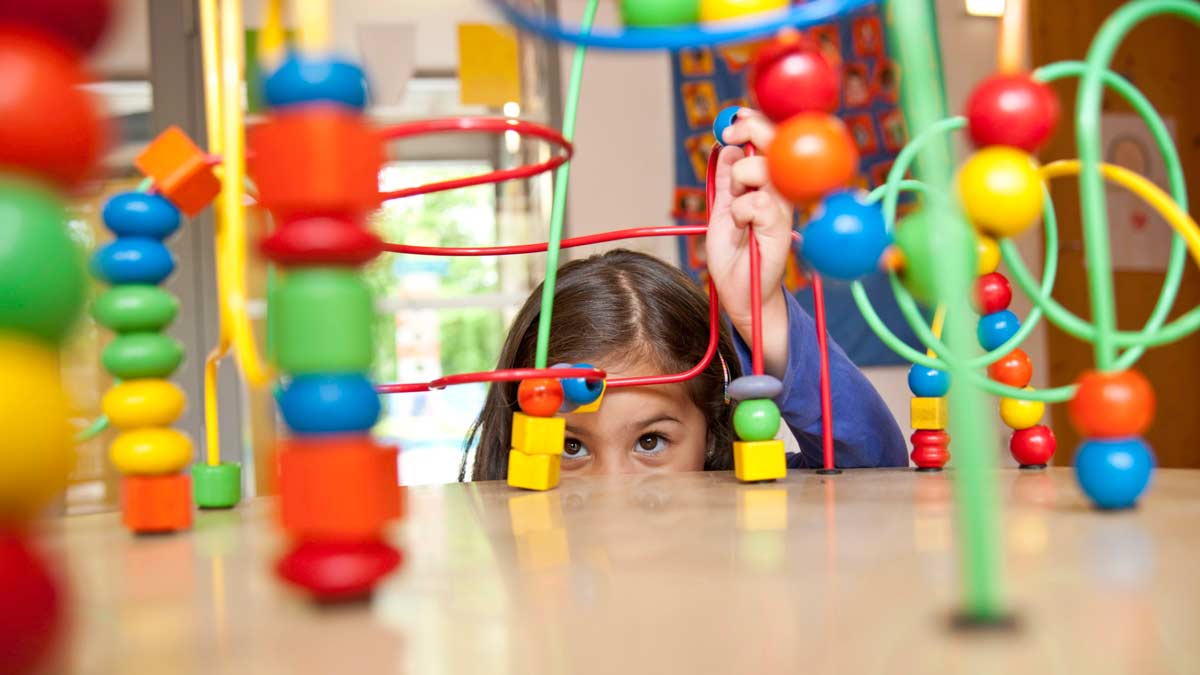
x=963 y=622
x=1032 y=467
x=928 y=469
x=217 y=487
x=828 y=472
x=338 y=571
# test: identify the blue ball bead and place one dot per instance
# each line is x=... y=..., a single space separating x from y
x=846 y=237
x=311 y=79
x=996 y=329
x=138 y=214
x=133 y=260
x=724 y=120
x=580 y=391
x=1114 y=472
x=329 y=404
x=928 y=382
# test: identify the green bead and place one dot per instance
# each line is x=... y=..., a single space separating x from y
x=134 y=355
x=136 y=308
x=324 y=319
x=922 y=252
x=756 y=420
x=42 y=272
x=660 y=12
x=217 y=487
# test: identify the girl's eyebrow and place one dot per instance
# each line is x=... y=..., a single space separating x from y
x=653 y=420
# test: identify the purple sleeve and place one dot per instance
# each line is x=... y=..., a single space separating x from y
x=865 y=433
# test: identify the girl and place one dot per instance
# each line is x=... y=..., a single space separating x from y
x=632 y=314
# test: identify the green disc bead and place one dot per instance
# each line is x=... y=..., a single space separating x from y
x=42 y=272
x=756 y=419
x=323 y=319
x=217 y=487
x=136 y=308
x=134 y=355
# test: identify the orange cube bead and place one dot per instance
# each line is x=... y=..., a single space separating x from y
x=338 y=487
x=316 y=160
x=181 y=171
x=156 y=503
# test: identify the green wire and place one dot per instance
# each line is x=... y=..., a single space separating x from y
x=560 y=193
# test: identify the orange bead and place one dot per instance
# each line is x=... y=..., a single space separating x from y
x=540 y=397
x=1014 y=369
x=338 y=487
x=181 y=171
x=156 y=503
x=1112 y=405
x=812 y=155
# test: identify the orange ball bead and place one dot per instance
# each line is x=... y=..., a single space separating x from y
x=1112 y=405
x=540 y=397
x=812 y=155
x=1014 y=369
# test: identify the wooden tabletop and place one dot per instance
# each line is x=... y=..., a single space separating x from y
x=687 y=573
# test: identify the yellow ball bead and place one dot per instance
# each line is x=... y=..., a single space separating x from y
x=35 y=442
x=143 y=403
x=148 y=452
x=1019 y=414
x=720 y=10
x=987 y=255
x=1001 y=191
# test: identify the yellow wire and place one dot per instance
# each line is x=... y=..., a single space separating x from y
x=271 y=36
x=1010 y=57
x=314 y=25
x=939 y=320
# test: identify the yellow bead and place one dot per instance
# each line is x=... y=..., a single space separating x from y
x=754 y=461
x=720 y=10
x=150 y=452
x=35 y=441
x=1001 y=191
x=928 y=413
x=1020 y=414
x=538 y=435
x=143 y=403
x=987 y=255
x=533 y=472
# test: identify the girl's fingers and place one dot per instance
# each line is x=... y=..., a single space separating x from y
x=751 y=209
x=751 y=173
x=750 y=127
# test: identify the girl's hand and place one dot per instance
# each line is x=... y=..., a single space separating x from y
x=745 y=199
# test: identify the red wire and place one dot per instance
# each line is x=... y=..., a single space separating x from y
x=481 y=125
x=756 y=330
x=510 y=375
x=823 y=349
x=599 y=238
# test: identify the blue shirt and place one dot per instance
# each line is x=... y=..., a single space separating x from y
x=864 y=432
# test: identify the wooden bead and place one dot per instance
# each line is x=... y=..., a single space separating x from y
x=1014 y=369
x=992 y=293
x=1013 y=110
x=156 y=503
x=931 y=449
x=135 y=309
x=789 y=76
x=1001 y=191
x=538 y=435
x=1033 y=446
x=324 y=321
x=812 y=155
x=755 y=461
x=928 y=413
x=137 y=355
x=533 y=472
x=996 y=329
x=141 y=214
x=338 y=487
x=721 y=10
x=151 y=451
x=1018 y=414
x=756 y=420
x=79 y=23
x=987 y=255
x=1112 y=405
x=182 y=172
x=657 y=13
x=33 y=606
x=321 y=241
x=334 y=571
x=143 y=403
x=306 y=79
x=540 y=397
x=329 y=404
x=1113 y=472
x=133 y=260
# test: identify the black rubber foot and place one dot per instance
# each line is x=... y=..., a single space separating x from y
x=1033 y=467
x=928 y=469
x=968 y=623
x=828 y=472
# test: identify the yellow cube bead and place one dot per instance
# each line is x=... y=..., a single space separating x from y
x=1019 y=414
x=533 y=472
x=533 y=512
x=594 y=405
x=143 y=403
x=759 y=460
x=538 y=435
x=760 y=509
x=151 y=452
x=929 y=413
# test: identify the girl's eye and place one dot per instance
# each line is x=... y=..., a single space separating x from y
x=651 y=444
x=573 y=449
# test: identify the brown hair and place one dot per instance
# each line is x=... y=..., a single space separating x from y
x=620 y=308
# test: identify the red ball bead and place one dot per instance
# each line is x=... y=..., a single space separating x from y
x=1014 y=369
x=992 y=294
x=540 y=397
x=49 y=126
x=1013 y=110
x=812 y=155
x=30 y=606
x=1112 y=405
x=1033 y=446
x=79 y=23
x=790 y=76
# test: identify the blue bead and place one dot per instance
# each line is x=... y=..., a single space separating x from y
x=996 y=329
x=846 y=237
x=329 y=404
x=724 y=119
x=928 y=382
x=1114 y=472
x=138 y=214
x=580 y=391
x=133 y=260
x=316 y=79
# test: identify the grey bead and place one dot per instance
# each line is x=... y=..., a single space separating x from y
x=750 y=387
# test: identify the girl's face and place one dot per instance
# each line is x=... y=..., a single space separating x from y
x=637 y=430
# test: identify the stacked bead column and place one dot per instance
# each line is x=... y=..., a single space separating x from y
x=1112 y=410
x=155 y=493
x=927 y=415
x=316 y=161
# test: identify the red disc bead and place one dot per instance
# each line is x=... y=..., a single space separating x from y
x=334 y=571
x=321 y=241
x=1014 y=369
x=79 y=23
x=931 y=449
x=992 y=294
x=812 y=155
x=540 y=397
x=30 y=606
x=1033 y=446
x=1013 y=110
x=789 y=76
x=1112 y=405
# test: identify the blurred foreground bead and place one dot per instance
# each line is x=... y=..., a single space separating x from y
x=1012 y=109
x=812 y=155
x=1114 y=472
x=789 y=76
x=846 y=237
x=1112 y=405
x=1001 y=191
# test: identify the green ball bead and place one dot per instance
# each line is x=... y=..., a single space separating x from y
x=756 y=420
x=136 y=308
x=324 y=321
x=42 y=272
x=135 y=355
x=645 y=13
x=923 y=252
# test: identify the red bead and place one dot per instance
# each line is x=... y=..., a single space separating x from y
x=930 y=449
x=1112 y=405
x=540 y=397
x=811 y=156
x=992 y=294
x=790 y=76
x=1014 y=369
x=1013 y=110
x=80 y=23
x=336 y=571
x=49 y=126
x=321 y=241
x=1033 y=446
x=30 y=606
